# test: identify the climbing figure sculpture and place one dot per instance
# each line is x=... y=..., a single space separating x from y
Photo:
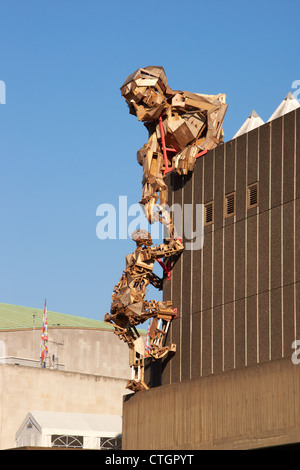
x=181 y=125
x=129 y=307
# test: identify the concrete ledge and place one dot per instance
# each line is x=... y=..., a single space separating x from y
x=249 y=408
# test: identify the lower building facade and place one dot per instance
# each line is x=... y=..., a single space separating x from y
x=232 y=382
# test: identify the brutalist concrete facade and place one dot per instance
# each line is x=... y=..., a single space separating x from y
x=238 y=298
x=232 y=383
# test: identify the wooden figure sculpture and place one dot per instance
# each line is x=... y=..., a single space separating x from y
x=129 y=307
x=181 y=125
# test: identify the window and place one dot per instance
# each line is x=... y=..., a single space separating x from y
x=67 y=441
x=110 y=443
x=209 y=213
x=252 y=196
x=229 y=208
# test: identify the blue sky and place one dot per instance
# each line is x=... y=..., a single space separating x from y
x=68 y=143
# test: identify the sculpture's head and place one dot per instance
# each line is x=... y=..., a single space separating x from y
x=145 y=92
x=142 y=237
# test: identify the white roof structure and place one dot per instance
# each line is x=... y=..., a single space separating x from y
x=251 y=123
x=38 y=427
x=290 y=103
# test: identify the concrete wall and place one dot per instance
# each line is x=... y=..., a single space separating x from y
x=89 y=351
x=25 y=388
x=257 y=406
x=238 y=298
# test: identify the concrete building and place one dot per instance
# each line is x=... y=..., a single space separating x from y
x=86 y=371
x=232 y=383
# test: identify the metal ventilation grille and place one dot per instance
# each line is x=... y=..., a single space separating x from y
x=252 y=199
x=229 y=204
x=209 y=213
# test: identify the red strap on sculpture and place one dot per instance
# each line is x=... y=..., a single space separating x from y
x=166 y=268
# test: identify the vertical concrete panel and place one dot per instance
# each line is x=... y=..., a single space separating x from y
x=252 y=256
x=263 y=253
x=219 y=187
x=208 y=177
x=240 y=333
x=229 y=323
x=218 y=267
x=241 y=178
x=207 y=271
x=207 y=324
x=264 y=326
x=276 y=162
x=288 y=319
x=297 y=239
x=276 y=247
x=264 y=167
x=298 y=153
x=197 y=254
x=167 y=292
x=229 y=279
x=217 y=340
x=297 y=298
x=240 y=260
x=186 y=279
x=276 y=324
x=196 y=345
x=230 y=167
x=252 y=330
x=288 y=243
x=176 y=290
x=288 y=156
x=252 y=156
